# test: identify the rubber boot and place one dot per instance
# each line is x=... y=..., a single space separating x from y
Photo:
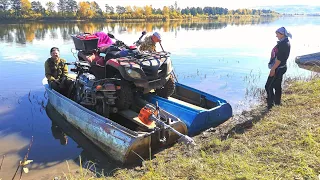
x=270 y=103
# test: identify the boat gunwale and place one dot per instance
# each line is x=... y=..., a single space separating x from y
x=108 y=121
x=220 y=100
x=187 y=107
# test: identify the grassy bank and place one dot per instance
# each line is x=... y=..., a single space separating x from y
x=283 y=143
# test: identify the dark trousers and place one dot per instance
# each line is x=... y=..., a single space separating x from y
x=273 y=87
x=63 y=87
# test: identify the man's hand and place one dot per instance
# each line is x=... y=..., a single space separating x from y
x=272 y=72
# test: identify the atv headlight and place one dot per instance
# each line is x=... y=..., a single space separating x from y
x=132 y=73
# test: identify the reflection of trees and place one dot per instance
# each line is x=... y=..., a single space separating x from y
x=206 y=26
x=26 y=33
x=40 y=34
x=20 y=35
x=66 y=30
x=6 y=34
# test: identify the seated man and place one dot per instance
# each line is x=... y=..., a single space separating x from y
x=149 y=42
x=56 y=72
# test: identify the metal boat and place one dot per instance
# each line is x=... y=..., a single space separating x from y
x=123 y=136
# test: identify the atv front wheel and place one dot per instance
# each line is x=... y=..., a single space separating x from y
x=168 y=89
x=125 y=96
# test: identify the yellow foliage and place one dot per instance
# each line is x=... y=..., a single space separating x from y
x=165 y=11
x=137 y=11
x=86 y=10
x=25 y=6
x=148 y=11
x=128 y=9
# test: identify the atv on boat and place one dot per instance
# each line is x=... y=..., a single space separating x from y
x=140 y=72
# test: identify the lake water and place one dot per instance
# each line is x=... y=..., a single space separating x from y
x=226 y=59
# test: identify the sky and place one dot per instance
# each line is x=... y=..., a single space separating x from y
x=230 y=4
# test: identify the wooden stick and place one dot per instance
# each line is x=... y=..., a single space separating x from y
x=2 y=161
x=26 y=156
x=21 y=173
x=15 y=172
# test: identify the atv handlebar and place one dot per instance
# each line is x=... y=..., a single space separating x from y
x=70 y=63
x=79 y=66
x=122 y=44
x=111 y=35
x=138 y=42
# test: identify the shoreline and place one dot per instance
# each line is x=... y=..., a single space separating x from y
x=252 y=144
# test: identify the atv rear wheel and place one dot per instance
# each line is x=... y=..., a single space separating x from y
x=168 y=89
x=125 y=96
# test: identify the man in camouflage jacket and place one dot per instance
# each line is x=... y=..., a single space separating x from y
x=56 y=72
x=149 y=42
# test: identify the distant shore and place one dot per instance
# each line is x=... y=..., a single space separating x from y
x=60 y=19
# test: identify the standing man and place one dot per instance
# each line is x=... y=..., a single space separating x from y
x=278 y=67
x=56 y=72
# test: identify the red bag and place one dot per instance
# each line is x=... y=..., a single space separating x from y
x=87 y=36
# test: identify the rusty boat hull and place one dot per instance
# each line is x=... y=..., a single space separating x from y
x=123 y=144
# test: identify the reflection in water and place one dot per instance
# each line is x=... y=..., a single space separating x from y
x=61 y=129
x=57 y=133
x=27 y=32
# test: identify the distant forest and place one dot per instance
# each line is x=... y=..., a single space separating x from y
x=71 y=10
x=24 y=33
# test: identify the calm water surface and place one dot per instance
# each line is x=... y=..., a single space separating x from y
x=226 y=59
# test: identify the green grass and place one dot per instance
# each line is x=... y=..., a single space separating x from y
x=283 y=143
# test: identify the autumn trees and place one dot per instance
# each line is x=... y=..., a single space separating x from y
x=72 y=9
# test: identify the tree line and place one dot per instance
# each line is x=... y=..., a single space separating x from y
x=70 y=9
x=27 y=32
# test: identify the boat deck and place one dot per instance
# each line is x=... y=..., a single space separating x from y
x=186 y=104
x=133 y=116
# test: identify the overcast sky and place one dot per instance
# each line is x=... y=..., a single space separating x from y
x=230 y=4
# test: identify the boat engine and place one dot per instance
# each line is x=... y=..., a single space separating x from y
x=84 y=89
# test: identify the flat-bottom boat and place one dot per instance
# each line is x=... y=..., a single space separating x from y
x=197 y=109
x=123 y=136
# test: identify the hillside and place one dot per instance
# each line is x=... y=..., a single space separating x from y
x=293 y=9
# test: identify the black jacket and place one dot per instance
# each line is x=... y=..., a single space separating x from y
x=283 y=51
